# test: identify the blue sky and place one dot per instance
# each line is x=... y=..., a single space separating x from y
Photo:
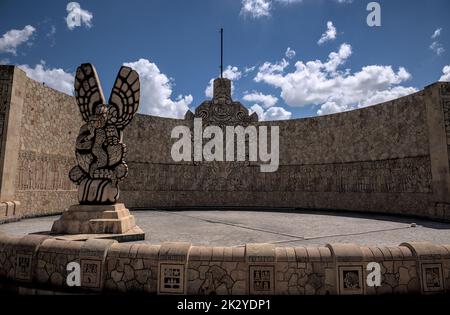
x=174 y=45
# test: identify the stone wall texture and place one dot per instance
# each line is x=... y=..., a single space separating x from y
x=49 y=126
x=38 y=265
x=389 y=158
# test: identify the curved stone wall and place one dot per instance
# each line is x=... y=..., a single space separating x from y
x=37 y=264
x=388 y=158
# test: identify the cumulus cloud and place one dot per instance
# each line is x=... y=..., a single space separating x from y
x=273 y=113
x=324 y=84
x=156 y=87
x=290 y=53
x=446 y=74
x=261 y=8
x=55 y=78
x=156 y=92
x=13 y=38
x=76 y=16
x=256 y=8
x=231 y=72
x=268 y=69
x=329 y=34
x=258 y=97
x=267 y=111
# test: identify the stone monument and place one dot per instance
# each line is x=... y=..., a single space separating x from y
x=222 y=110
x=100 y=156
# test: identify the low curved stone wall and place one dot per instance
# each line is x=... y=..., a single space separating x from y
x=34 y=264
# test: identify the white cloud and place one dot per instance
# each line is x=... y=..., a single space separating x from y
x=13 y=38
x=256 y=8
x=55 y=78
x=52 y=31
x=322 y=83
x=76 y=16
x=231 y=72
x=261 y=8
x=288 y=1
x=377 y=97
x=331 y=107
x=273 y=113
x=156 y=88
x=209 y=91
x=329 y=34
x=290 y=53
x=386 y=95
x=51 y=35
x=249 y=69
x=268 y=69
x=4 y=61
x=436 y=33
x=257 y=97
x=268 y=102
x=437 y=48
x=156 y=92
x=446 y=74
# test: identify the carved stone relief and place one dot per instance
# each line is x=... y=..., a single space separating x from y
x=409 y=175
x=100 y=152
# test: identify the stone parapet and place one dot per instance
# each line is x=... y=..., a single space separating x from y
x=33 y=263
x=9 y=211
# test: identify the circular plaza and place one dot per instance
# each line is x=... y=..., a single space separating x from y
x=236 y=228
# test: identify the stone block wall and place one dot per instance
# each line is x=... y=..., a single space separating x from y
x=37 y=264
x=41 y=149
x=50 y=124
x=388 y=158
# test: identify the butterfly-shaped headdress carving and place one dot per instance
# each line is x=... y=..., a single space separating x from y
x=123 y=102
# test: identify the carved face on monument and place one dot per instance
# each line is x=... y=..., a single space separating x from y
x=99 y=150
x=98 y=120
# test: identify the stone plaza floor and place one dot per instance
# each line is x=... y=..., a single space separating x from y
x=236 y=228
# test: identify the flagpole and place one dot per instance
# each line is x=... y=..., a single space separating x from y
x=221 y=53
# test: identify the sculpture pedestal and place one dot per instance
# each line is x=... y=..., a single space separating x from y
x=97 y=219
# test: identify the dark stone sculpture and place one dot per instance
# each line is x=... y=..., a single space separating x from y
x=100 y=152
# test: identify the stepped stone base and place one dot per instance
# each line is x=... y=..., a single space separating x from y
x=96 y=219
